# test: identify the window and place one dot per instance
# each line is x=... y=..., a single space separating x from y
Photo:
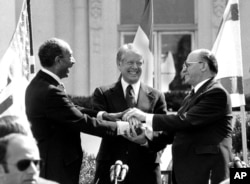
x=173 y=37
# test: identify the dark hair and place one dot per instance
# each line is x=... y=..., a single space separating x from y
x=211 y=60
x=3 y=150
x=49 y=50
x=10 y=124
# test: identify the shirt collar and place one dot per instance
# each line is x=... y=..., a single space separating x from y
x=197 y=87
x=54 y=76
x=136 y=87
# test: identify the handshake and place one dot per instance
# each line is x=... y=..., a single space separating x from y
x=129 y=124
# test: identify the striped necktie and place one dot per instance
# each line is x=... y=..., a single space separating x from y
x=130 y=96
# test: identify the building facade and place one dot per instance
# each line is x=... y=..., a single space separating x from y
x=96 y=28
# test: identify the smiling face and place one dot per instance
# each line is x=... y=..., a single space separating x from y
x=21 y=148
x=130 y=66
x=65 y=62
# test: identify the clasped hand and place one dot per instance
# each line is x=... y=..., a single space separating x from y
x=137 y=131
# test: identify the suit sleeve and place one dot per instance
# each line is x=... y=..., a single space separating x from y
x=99 y=100
x=90 y=112
x=160 y=138
x=60 y=109
x=208 y=108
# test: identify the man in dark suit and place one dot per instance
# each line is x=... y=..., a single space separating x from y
x=142 y=161
x=202 y=144
x=56 y=121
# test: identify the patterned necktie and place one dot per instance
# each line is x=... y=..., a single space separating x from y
x=130 y=96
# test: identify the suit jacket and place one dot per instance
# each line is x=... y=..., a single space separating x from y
x=143 y=162
x=56 y=124
x=202 y=141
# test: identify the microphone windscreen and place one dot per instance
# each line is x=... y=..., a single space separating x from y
x=118 y=166
x=237 y=162
x=112 y=172
x=124 y=171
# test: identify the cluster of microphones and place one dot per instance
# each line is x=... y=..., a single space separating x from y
x=118 y=172
x=238 y=163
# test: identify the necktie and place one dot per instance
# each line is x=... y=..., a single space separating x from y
x=61 y=86
x=185 y=105
x=130 y=96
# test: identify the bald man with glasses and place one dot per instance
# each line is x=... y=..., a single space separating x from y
x=202 y=126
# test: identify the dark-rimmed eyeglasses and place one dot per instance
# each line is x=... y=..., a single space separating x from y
x=188 y=64
x=25 y=163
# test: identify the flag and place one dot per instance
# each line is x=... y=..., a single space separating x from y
x=227 y=49
x=142 y=41
x=15 y=69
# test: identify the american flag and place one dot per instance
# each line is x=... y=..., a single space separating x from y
x=15 y=69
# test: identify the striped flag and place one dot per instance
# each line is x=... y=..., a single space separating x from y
x=227 y=49
x=142 y=41
x=14 y=69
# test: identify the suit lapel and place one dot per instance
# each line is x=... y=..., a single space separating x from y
x=144 y=101
x=117 y=97
x=145 y=98
x=187 y=103
x=201 y=90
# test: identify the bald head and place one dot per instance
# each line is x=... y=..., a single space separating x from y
x=205 y=55
x=200 y=65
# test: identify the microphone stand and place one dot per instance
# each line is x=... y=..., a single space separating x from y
x=115 y=180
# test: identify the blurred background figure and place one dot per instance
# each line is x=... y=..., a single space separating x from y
x=20 y=160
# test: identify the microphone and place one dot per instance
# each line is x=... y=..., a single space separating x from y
x=115 y=171
x=118 y=167
x=112 y=172
x=237 y=162
x=124 y=172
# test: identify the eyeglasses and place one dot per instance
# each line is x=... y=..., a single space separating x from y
x=25 y=163
x=188 y=64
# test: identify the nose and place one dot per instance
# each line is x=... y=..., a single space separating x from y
x=73 y=60
x=33 y=168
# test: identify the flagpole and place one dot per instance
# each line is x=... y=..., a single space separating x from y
x=243 y=134
x=32 y=59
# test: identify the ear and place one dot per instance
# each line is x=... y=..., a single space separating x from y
x=2 y=173
x=204 y=66
x=119 y=63
x=2 y=170
x=57 y=59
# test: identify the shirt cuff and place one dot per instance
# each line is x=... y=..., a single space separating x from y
x=99 y=115
x=122 y=127
x=148 y=125
x=149 y=120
